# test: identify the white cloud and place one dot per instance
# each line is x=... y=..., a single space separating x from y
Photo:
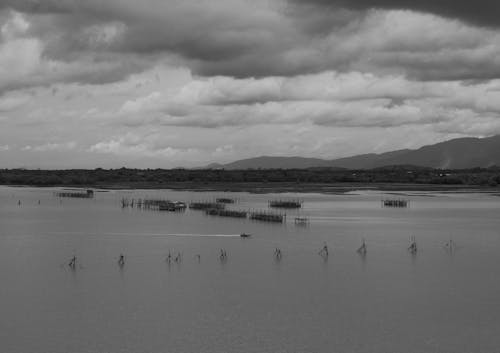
x=136 y=145
x=141 y=104
x=19 y=59
x=15 y=26
x=51 y=146
x=328 y=98
x=12 y=102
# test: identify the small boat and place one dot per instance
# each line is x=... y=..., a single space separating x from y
x=245 y=235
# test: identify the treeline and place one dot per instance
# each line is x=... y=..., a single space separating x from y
x=167 y=177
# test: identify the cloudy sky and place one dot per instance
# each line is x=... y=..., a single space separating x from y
x=166 y=83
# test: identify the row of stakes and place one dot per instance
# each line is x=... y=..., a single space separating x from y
x=323 y=252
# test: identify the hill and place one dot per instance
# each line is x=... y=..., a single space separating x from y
x=462 y=153
x=277 y=163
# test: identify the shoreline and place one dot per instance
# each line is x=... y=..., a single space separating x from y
x=275 y=188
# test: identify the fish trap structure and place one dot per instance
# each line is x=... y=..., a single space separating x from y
x=154 y=204
x=225 y=200
x=126 y=203
x=226 y=213
x=395 y=203
x=268 y=217
x=172 y=206
x=301 y=221
x=88 y=194
x=206 y=205
x=290 y=204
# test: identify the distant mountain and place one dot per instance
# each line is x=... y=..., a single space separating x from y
x=455 y=154
x=459 y=153
x=277 y=163
x=214 y=166
x=371 y=160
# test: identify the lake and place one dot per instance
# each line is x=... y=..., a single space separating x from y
x=387 y=301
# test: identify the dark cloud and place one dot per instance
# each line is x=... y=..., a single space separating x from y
x=39 y=6
x=240 y=38
x=479 y=12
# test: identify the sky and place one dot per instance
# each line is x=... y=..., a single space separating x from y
x=176 y=83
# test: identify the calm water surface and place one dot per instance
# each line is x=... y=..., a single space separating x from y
x=388 y=301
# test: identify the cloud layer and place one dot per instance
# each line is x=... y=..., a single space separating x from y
x=482 y=12
x=99 y=42
x=172 y=83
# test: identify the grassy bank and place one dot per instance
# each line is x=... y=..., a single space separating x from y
x=264 y=188
x=260 y=181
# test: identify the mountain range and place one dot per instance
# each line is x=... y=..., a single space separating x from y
x=461 y=153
